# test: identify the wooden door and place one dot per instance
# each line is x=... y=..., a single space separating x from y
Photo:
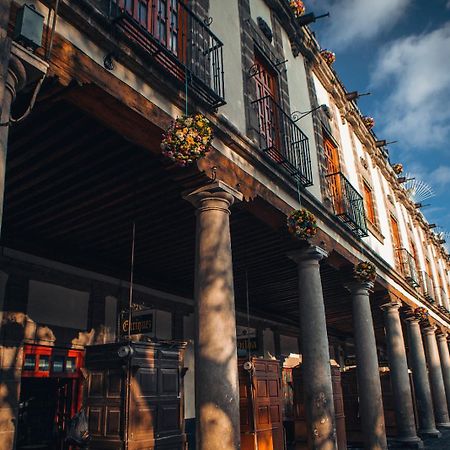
x=334 y=182
x=396 y=242
x=268 y=114
x=261 y=406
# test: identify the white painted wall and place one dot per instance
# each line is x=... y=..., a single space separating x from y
x=288 y=344
x=226 y=27
x=51 y=304
x=110 y=319
x=300 y=101
x=189 y=362
x=258 y=8
x=269 y=343
x=3 y=281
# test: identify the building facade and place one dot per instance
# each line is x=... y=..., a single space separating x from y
x=95 y=218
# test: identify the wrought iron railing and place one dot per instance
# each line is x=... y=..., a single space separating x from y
x=282 y=141
x=177 y=40
x=427 y=286
x=440 y=294
x=348 y=204
x=408 y=266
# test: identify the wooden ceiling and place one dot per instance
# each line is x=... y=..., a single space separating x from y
x=74 y=188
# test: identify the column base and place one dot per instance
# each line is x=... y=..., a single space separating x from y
x=429 y=433
x=400 y=443
x=445 y=425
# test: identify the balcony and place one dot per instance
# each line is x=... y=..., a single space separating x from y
x=348 y=204
x=282 y=142
x=408 y=266
x=427 y=286
x=440 y=294
x=179 y=42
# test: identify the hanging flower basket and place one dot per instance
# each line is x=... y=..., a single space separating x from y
x=369 y=122
x=187 y=139
x=298 y=8
x=328 y=56
x=398 y=168
x=364 y=271
x=421 y=314
x=302 y=224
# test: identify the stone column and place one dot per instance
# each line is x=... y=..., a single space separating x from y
x=445 y=363
x=13 y=331
x=15 y=81
x=318 y=398
x=424 y=403
x=367 y=371
x=401 y=388
x=216 y=370
x=436 y=379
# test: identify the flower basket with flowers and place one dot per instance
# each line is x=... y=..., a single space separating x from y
x=187 y=139
x=364 y=271
x=369 y=122
x=328 y=56
x=421 y=314
x=302 y=224
x=298 y=8
x=398 y=168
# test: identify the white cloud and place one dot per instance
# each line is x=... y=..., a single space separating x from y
x=353 y=21
x=448 y=5
x=441 y=176
x=415 y=73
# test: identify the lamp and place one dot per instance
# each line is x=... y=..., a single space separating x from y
x=354 y=95
x=297 y=115
x=306 y=19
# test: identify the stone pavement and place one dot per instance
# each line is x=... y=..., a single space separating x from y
x=439 y=444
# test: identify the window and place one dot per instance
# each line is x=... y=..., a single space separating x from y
x=396 y=241
x=44 y=363
x=333 y=167
x=29 y=362
x=266 y=89
x=368 y=203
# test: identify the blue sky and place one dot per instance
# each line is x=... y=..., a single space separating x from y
x=399 y=50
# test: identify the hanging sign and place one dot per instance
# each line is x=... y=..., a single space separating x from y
x=142 y=323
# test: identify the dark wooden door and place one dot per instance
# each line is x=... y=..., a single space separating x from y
x=268 y=114
x=261 y=406
x=334 y=180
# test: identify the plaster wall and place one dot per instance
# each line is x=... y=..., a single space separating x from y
x=189 y=362
x=348 y=155
x=288 y=344
x=3 y=281
x=110 y=318
x=258 y=8
x=299 y=101
x=50 y=304
x=269 y=343
x=226 y=28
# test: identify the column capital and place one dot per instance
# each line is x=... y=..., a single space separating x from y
x=217 y=195
x=391 y=307
x=412 y=320
x=17 y=76
x=309 y=254
x=427 y=331
x=442 y=335
x=359 y=287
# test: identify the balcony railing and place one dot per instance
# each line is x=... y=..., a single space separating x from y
x=282 y=141
x=408 y=266
x=177 y=40
x=348 y=204
x=440 y=294
x=427 y=287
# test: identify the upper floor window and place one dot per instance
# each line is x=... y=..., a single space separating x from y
x=178 y=40
x=281 y=140
x=368 y=203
